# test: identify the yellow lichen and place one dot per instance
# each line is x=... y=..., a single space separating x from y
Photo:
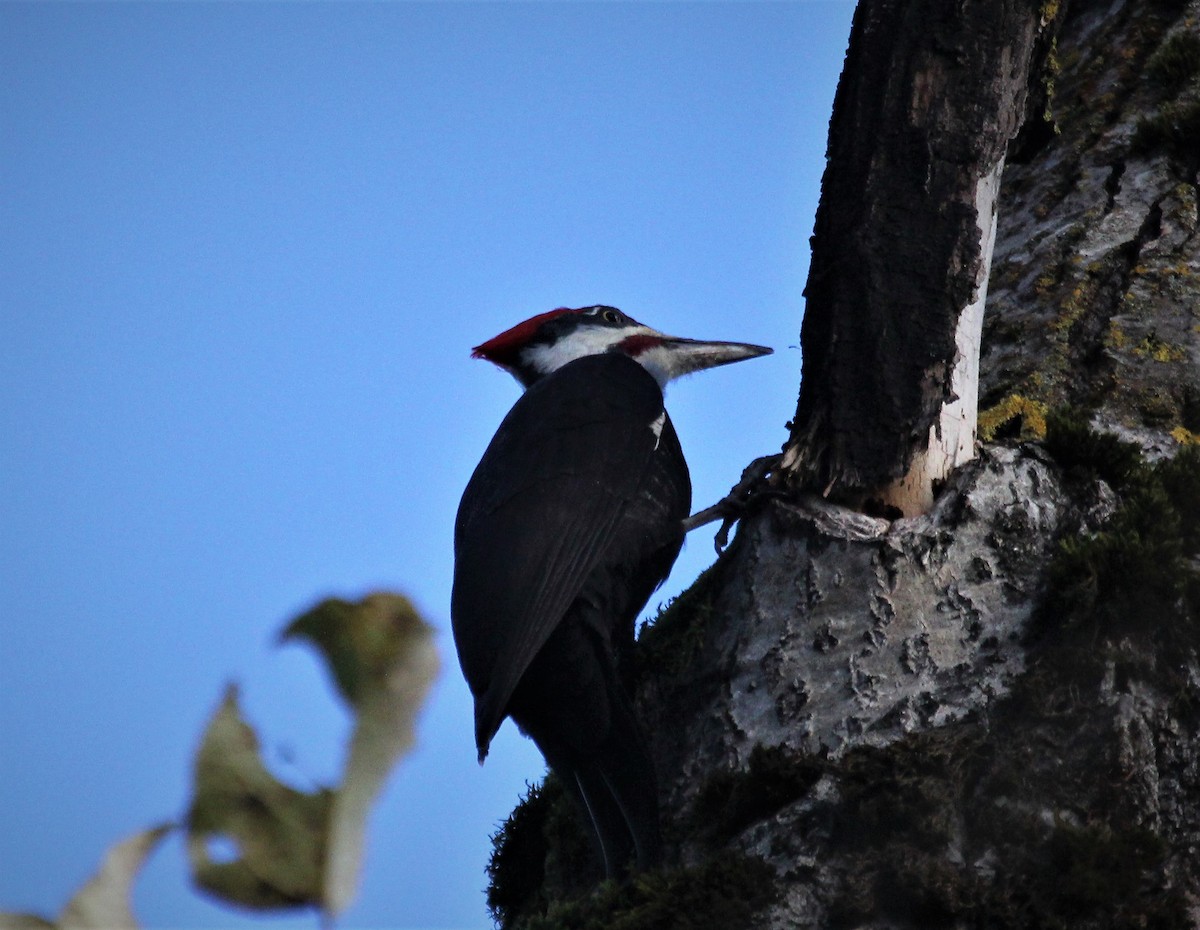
x=1045 y=283
x=1155 y=349
x=1072 y=309
x=1115 y=338
x=1185 y=437
x=1053 y=68
x=1032 y=414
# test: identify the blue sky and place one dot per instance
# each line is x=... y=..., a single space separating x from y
x=245 y=251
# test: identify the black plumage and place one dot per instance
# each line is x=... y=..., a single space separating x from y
x=570 y=521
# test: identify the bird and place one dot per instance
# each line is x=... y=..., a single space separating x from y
x=571 y=520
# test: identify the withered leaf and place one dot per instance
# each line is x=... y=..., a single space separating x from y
x=277 y=832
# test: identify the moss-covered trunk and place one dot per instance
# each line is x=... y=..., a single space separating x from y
x=988 y=716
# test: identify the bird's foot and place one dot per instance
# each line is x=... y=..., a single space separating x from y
x=754 y=486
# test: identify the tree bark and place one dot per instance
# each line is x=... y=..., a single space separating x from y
x=987 y=716
x=931 y=95
x=1094 y=299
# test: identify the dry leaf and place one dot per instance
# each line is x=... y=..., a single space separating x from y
x=103 y=902
x=278 y=833
x=287 y=848
x=25 y=922
x=383 y=661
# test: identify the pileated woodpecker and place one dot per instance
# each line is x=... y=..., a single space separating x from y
x=571 y=520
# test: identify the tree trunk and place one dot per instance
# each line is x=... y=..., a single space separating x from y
x=988 y=715
x=931 y=95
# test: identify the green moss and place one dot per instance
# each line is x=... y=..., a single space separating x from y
x=1155 y=405
x=671 y=642
x=516 y=869
x=910 y=822
x=907 y=807
x=1087 y=453
x=901 y=811
x=1065 y=877
x=1176 y=61
x=544 y=874
x=1189 y=408
x=725 y=892
x=1096 y=869
x=1082 y=874
x=1173 y=128
x=901 y=793
x=915 y=817
x=731 y=801
x=1133 y=578
x=921 y=890
x=543 y=841
x=1128 y=577
x=1180 y=479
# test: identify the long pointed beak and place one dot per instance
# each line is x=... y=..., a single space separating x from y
x=688 y=355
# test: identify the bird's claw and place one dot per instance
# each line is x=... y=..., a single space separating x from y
x=752 y=487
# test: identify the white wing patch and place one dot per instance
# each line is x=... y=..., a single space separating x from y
x=656 y=427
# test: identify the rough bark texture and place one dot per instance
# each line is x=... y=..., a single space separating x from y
x=987 y=716
x=1093 y=298
x=931 y=95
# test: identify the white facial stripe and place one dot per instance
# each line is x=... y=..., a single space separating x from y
x=584 y=341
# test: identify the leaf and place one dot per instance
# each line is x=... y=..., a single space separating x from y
x=24 y=922
x=383 y=661
x=288 y=848
x=103 y=902
x=275 y=832
x=366 y=642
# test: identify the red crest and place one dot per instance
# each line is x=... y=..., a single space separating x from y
x=503 y=349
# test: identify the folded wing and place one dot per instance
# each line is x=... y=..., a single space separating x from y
x=556 y=487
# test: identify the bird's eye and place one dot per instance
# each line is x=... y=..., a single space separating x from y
x=611 y=316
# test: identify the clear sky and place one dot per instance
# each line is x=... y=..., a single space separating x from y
x=244 y=252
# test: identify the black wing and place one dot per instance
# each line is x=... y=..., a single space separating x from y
x=543 y=507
